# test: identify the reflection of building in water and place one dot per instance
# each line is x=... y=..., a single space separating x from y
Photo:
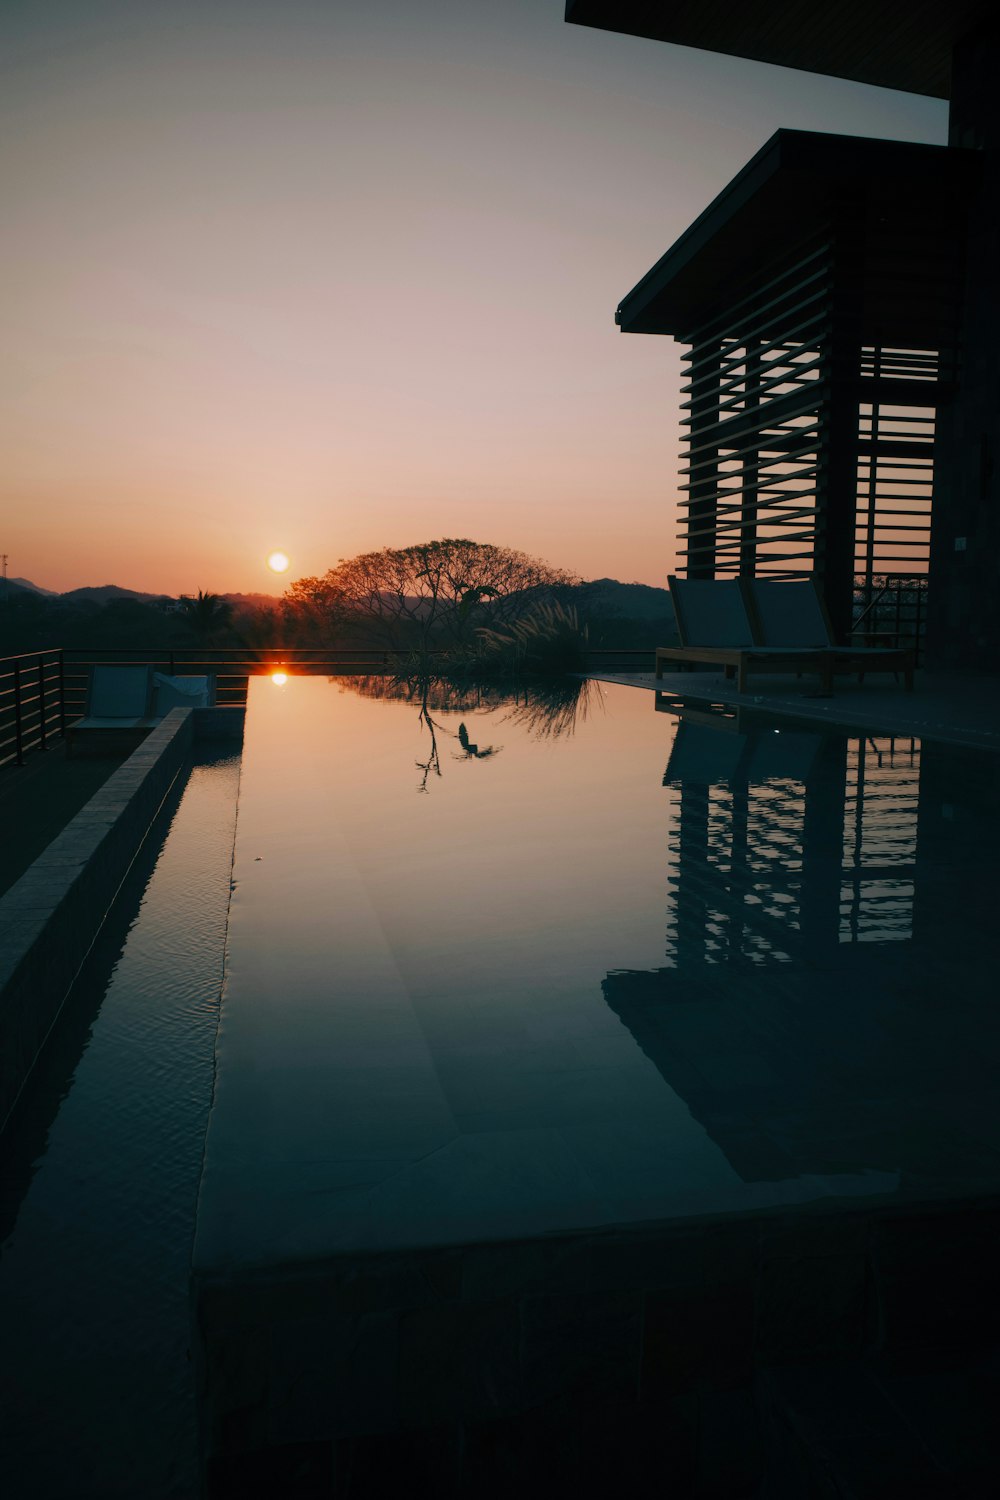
x=880 y=839
x=785 y=843
x=825 y=1008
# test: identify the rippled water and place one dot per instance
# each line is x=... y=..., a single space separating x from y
x=100 y=1180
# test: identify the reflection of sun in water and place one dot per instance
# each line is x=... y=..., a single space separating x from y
x=278 y=562
x=279 y=678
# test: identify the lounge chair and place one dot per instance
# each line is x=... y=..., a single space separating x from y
x=117 y=697
x=794 y=612
x=761 y=625
x=125 y=702
x=716 y=628
x=116 y=713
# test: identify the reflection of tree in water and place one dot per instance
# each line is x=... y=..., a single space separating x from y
x=438 y=693
x=471 y=751
x=433 y=762
x=547 y=709
x=553 y=709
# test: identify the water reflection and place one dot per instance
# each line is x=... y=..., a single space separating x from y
x=787 y=842
x=825 y=1006
x=547 y=710
x=555 y=710
x=471 y=751
x=790 y=935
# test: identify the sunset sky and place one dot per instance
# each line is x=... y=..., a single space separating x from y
x=328 y=276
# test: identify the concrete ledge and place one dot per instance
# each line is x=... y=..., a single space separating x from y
x=209 y=724
x=49 y=918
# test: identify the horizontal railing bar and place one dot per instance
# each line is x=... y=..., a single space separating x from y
x=23 y=656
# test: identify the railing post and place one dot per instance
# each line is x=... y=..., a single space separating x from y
x=18 y=727
x=171 y=664
x=41 y=703
x=919 y=622
x=899 y=606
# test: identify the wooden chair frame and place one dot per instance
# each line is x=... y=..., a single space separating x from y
x=740 y=661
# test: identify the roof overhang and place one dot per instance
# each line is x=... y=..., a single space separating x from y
x=896 y=44
x=799 y=182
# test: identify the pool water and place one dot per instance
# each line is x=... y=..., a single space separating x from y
x=101 y=1168
x=489 y=980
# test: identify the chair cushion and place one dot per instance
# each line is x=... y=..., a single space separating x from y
x=790 y=613
x=711 y=612
x=118 y=692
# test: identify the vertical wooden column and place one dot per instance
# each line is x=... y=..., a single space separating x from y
x=704 y=457
x=837 y=481
x=750 y=467
x=871 y=497
x=963 y=627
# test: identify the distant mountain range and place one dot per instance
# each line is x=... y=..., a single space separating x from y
x=616 y=616
x=633 y=601
x=105 y=592
x=34 y=588
x=599 y=596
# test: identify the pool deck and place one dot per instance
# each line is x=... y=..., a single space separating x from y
x=38 y=799
x=959 y=709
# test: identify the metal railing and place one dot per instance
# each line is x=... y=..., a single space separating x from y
x=891 y=609
x=32 y=703
x=43 y=691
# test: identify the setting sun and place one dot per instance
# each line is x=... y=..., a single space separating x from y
x=279 y=678
x=277 y=562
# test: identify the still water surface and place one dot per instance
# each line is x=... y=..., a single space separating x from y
x=488 y=979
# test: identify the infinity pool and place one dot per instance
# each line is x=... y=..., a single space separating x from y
x=514 y=989
x=650 y=968
x=526 y=1005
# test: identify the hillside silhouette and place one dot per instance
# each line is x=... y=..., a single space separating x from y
x=109 y=616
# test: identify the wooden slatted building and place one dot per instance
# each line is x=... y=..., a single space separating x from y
x=819 y=297
x=843 y=404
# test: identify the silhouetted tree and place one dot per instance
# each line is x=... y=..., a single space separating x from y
x=207 y=614
x=434 y=594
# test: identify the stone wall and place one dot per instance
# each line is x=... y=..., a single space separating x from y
x=599 y=1361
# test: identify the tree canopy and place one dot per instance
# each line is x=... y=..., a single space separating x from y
x=434 y=592
x=206 y=613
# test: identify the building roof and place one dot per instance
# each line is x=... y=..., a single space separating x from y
x=797 y=184
x=898 y=44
